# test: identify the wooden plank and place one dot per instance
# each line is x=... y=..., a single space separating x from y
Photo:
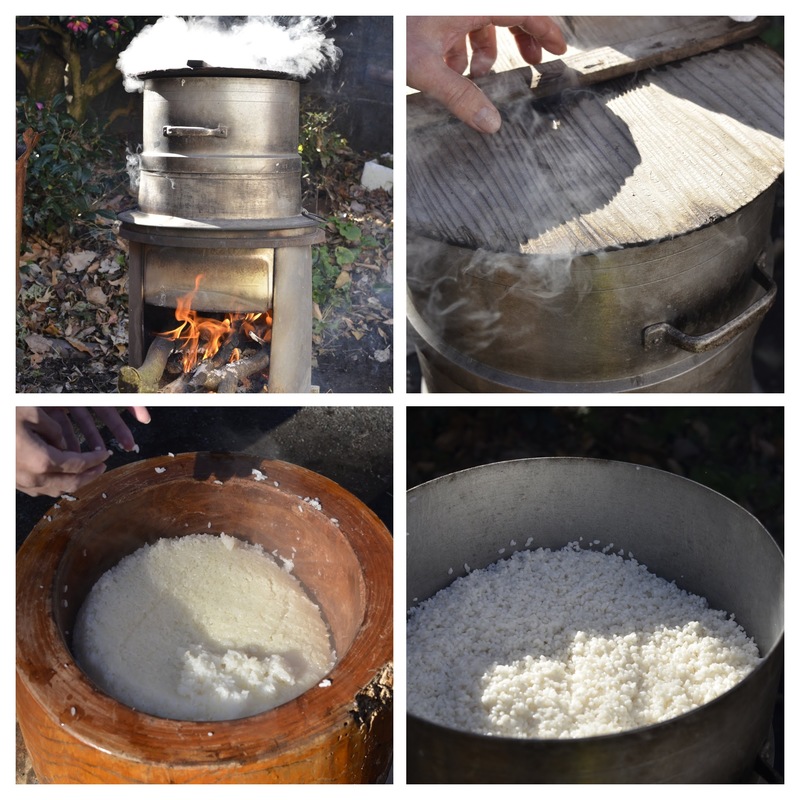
x=651 y=42
x=629 y=162
x=605 y=63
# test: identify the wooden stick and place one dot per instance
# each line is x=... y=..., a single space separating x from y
x=605 y=63
x=223 y=379
x=226 y=379
x=147 y=377
x=179 y=386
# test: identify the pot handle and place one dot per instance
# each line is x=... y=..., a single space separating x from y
x=655 y=335
x=174 y=131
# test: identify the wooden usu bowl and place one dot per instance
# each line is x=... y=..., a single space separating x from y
x=337 y=733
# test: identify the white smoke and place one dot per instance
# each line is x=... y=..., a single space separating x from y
x=297 y=48
x=133 y=165
x=479 y=300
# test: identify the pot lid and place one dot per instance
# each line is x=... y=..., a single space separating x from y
x=630 y=161
x=202 y=69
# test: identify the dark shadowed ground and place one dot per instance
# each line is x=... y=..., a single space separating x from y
x=735 y=451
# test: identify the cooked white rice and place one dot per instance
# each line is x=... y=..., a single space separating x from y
x=201 y=628
x=568 y=644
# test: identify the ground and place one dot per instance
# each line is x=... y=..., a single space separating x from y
x=72 y=314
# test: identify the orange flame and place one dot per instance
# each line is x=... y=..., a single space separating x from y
x=202 y=337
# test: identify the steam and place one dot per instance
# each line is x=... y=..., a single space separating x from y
x=297 y=48
x=480 y=300
x=133 y=165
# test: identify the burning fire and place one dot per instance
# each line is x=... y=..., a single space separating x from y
x=202 y=338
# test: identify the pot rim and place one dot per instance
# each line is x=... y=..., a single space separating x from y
x=606 y=737
x=191 y=743
x=765 y=663
x=208 y=71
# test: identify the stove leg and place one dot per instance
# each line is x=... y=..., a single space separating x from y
x=135 y=304
x=290 y=359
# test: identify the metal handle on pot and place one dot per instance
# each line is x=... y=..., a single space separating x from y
x=220 y=132
x=655 y=335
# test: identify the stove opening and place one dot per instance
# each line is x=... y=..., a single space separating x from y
x=222 y=337
x=191 y=350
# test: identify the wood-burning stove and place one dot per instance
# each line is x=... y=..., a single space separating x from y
x=220 y=197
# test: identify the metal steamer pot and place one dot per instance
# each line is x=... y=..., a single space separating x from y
x=682 y=531
x=674 y=315
x=221 y=145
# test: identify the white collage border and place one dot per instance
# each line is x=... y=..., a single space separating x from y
x=399 y=400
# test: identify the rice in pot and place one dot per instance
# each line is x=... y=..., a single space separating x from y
x=568 y=644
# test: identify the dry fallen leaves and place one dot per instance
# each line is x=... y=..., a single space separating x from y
x=72 y=312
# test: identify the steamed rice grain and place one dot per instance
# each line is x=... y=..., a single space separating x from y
x=568 y=644
x=201 y=627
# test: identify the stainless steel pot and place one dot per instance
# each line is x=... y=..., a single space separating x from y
x=682 y=531
x=220 y=146
x=220 y=196
x=676 y=315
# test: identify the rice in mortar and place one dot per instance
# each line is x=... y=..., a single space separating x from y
x=201 y=627
x=568 y=644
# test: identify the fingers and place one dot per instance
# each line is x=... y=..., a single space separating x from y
x=55 y=484
x=49 y=457
x=533 y=34
x=140 y=414
x=44 y=423
x=46 y=470
x=70 y=440
x=528 y=46
x=456 y=57
x=77 y=463
x=436 y=57
x=111 y=418
x=484 y=51
x=461 y=97
x=83 y=418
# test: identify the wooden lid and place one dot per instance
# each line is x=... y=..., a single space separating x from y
x=632 y=160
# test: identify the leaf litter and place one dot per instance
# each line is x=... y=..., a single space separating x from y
x=72 y=310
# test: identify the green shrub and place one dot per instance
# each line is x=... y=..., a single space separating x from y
x=68 y=173
x=320 y=145
x=346 y=241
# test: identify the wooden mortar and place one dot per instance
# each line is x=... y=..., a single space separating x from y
x=337 y=733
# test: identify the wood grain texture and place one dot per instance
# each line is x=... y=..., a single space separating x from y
x=633 y=160
x=599 y=49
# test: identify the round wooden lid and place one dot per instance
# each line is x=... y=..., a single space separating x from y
x=630 y=161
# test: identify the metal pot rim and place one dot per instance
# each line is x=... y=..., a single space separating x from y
x=218 y=72
x=606 y=737
x=765 y=662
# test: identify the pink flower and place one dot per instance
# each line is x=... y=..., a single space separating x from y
x=77 y=25
x=113 y=24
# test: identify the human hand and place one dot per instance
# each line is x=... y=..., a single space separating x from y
x=436 y=57
x=84 y=419
x=49 y=461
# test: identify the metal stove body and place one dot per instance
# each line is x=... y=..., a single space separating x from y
x=220 y=196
